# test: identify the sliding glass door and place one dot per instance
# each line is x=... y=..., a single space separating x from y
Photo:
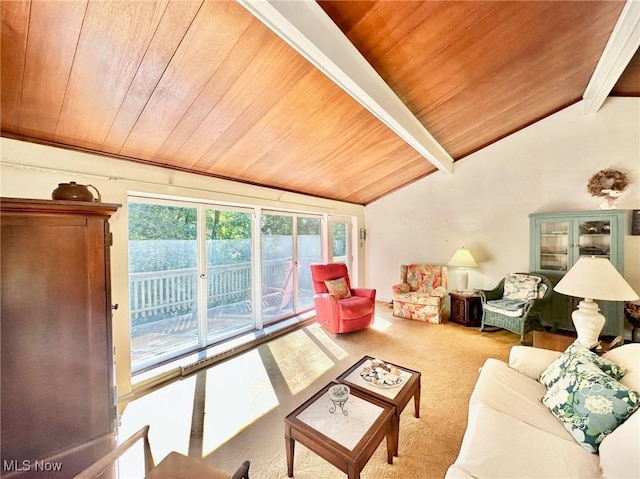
x=229 y=273
x=309 y=250
x=195 y=281
x=340 y=241
x=290 y=242
x=163 y=281
x=277 y=266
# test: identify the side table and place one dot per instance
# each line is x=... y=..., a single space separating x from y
x=346 y=441
x=554 y=341
x=466 y=309
x=398 y=397
x=561 y=340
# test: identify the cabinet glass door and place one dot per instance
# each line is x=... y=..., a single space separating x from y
x=594 y=238
x=554 y=245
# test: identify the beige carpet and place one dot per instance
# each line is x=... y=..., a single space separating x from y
x=235 y=410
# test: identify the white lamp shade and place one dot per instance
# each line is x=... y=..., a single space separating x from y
x=462 y=259
x=595 y=278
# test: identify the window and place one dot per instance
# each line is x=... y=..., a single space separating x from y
x=309 y=250
x=163 y=281
x=290 y=242
x=277 y=266
x=228 y=273
x=195 y=270
x=340 y=250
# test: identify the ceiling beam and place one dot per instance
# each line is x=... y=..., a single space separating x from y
x=622 y=45
x=310 y=31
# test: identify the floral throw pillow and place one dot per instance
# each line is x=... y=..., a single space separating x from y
x=590 y=404
x=567 y=361
x=338 y=288
x=520 y=286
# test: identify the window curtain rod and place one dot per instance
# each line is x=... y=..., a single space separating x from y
x=273 y=197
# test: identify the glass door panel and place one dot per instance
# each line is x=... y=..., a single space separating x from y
x=228 y=273
x=309 y=250
x=277 y=267
x=163 y=282
x=554 y=245
x=594 y=238
x=340 y=242
x=193 y=277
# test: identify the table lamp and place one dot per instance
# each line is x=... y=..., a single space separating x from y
x=462 y=259
x=593 y=278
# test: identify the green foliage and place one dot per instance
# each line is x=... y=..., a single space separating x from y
x=277 y=225
x=164 y=237
x=282 y=225
x=160 y=255
x=308 y=226
x=228 y=225
x=160 y=222
x=339 y=235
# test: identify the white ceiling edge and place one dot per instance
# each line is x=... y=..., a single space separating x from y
x=622 y=45
x=312 y=33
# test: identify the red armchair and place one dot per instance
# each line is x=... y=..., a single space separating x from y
x=341 y=315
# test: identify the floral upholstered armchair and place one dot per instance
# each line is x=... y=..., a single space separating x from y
x=421 y=293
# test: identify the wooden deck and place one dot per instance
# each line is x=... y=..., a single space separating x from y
x=152 y=341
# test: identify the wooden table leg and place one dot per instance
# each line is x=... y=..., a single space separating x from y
x=290 y=444
x=392 y=444
x=396 y=432
x=416 y=401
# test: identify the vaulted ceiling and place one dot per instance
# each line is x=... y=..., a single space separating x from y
x=359 y=99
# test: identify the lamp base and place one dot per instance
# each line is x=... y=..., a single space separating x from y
x=462 y=280
x=588 y=322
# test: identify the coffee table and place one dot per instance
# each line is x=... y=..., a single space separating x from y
x=346 y=441
x=398 y=397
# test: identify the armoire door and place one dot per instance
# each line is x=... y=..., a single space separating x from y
x=57 y=373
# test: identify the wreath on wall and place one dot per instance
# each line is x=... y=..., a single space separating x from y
x=601 y=183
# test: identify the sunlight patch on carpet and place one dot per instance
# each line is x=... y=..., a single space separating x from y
x=300 y=360
x=238 y=392
x=325 y=339
x=174 y=400
x=380 y=324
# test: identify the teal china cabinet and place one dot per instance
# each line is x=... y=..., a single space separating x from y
x=558 y=240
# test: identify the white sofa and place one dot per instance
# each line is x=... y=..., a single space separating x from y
x=511 y=433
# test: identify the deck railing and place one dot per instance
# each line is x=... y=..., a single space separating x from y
x=161 y=294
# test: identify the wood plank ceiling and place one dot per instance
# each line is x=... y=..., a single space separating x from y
x=204 y=86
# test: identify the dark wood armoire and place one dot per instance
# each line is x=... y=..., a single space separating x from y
x=58 y=399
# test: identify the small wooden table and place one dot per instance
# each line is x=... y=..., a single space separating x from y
x=346 y=441
x=553 y=341
x=466 y=309
x=397 y=397
x=561 y=340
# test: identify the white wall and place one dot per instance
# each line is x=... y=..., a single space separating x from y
x=33 y=171
x=484 y=205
